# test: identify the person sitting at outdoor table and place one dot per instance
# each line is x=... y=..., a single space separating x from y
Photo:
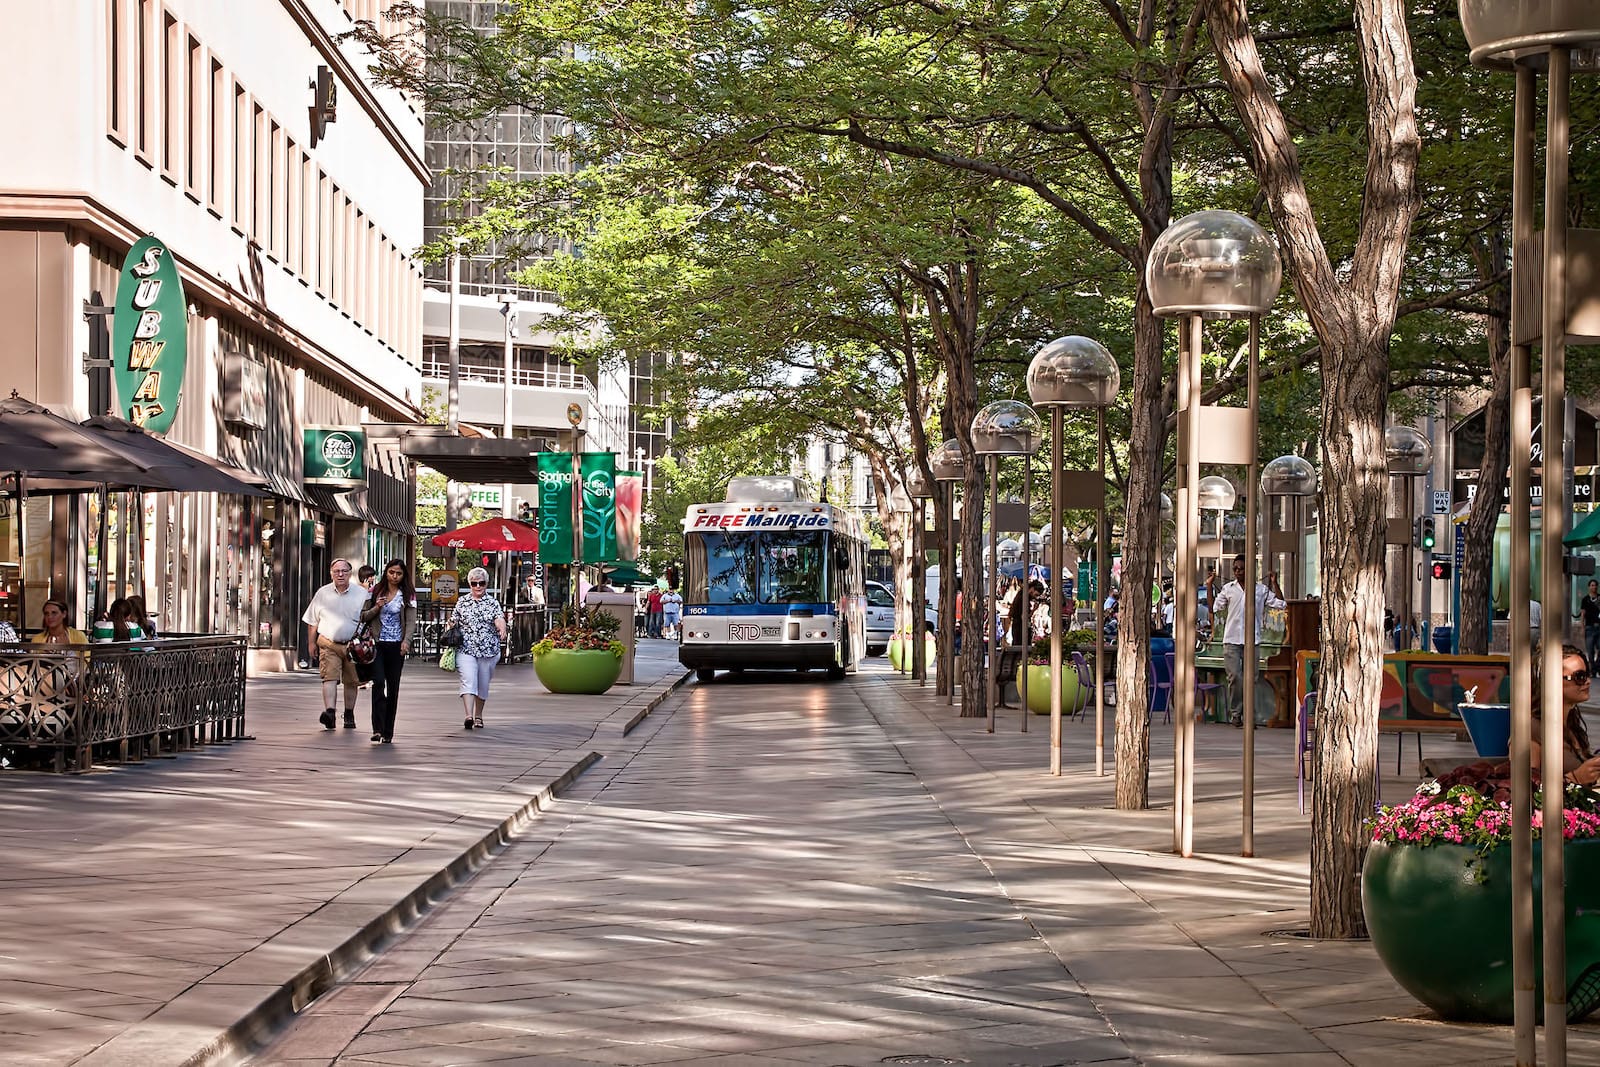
x=122 y=625
x=1578 y=761
x=56 y=631
x=142 y=616
x=8 y=633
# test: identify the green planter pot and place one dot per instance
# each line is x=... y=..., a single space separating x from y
x=1440 y=919
x=1074 y=697
x=901 y=653
x=575 y=670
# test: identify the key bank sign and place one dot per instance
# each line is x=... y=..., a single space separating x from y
x=149 y=337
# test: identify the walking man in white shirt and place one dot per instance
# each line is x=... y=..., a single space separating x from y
x=331 y=622
x=1231 y=602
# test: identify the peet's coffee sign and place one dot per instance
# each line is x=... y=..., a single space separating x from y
x=336 y=456
x=149 y=336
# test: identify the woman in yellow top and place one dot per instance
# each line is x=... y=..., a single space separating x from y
x=56 y=631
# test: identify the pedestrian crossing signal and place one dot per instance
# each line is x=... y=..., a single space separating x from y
x=1441 y=570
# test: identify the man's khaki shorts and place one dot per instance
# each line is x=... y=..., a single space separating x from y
x=334 y=663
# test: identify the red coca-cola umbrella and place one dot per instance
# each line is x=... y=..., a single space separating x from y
x=492 y=535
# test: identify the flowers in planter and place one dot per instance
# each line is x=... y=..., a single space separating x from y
x=1471 y=805
x=590 y=629
x=1071 y=641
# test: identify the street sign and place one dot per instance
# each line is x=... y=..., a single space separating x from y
x=1441 y=501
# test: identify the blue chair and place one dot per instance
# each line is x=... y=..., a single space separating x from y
x=1160 y=691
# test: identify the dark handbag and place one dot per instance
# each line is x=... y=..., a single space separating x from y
x=451 y=638
x=362 y=648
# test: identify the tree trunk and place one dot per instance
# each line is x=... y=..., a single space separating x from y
x=1353 y=321
x=1473 y=624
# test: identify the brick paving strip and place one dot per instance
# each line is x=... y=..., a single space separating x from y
x=852 y=875
x=167 y=913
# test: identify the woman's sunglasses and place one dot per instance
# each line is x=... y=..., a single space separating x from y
x=1577 y=677
x=477 y=583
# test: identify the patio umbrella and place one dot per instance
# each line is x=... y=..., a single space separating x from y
x=185 y=468
x=492 y=535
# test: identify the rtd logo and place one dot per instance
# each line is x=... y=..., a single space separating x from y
x=741 y=631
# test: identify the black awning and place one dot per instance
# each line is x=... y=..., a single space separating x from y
x=483 y=460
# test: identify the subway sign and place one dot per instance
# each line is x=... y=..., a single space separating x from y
x=149 y=337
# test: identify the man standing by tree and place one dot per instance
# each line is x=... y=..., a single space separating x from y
x=1231 y=603
x=331 y=621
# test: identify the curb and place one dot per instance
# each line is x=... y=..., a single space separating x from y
x=655 y=702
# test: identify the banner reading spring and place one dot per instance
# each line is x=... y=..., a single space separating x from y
x=599 y=471
x=555 y=507
x=630 y=499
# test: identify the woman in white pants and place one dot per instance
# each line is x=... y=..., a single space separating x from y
x=483 y=628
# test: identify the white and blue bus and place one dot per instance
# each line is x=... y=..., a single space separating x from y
x=772 y=581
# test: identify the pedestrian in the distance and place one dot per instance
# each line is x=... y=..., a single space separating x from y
x=652 y=612
x=1589 y=608
x=331 y=621
x=391 y=613
x=483 y=629
x=1231 y=604
x=671 y=612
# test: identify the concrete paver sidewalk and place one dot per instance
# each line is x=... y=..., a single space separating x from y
x=788 y=873
x=151 y=908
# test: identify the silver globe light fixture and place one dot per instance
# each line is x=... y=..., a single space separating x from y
x=1003 y=428
x=1210 y=265
x=1285 y=481
x=1406 y=451
x=1075 y=373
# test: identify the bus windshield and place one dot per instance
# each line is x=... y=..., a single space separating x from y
x=765 y=567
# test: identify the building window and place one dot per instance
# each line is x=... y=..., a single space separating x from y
x=217 y=101
x=193 y=113
x=241 y=158
x=261 y=152
x=171 y=95
x=291 y=197
x=116 y=70
x=324 y=238
x=144 y=78
x=277 y=188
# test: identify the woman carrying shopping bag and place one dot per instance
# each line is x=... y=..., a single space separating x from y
x=483 y=629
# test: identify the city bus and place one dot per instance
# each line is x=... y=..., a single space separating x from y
x=772 y=581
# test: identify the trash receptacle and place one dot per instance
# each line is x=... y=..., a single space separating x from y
x=621 y=605
x=1489 y=726
x=1442 y=638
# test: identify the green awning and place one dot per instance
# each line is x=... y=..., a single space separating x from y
x=1586 y=533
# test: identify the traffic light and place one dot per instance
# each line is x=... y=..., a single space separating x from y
x=1441 y=570
x=1426 y=541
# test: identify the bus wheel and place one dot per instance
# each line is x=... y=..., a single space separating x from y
x=835 y=673
x=704 y=674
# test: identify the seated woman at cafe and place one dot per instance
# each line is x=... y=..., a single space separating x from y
x=124 y=627
x=1578 y=760
x=141 y=615
x=56 y=631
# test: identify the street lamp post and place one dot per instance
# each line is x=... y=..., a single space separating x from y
x=920 y=490
x=1211 y=264
x=949 y=469
x=1002 y=428
x=1288 y=480
x=1529 y=38
x=1075 y=373
x=1408 y=455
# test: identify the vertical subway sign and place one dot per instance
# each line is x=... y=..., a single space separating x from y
x=149 y=336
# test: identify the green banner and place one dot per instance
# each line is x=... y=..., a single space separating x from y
x=599 y=506
x=149 y=336
x=555 y=507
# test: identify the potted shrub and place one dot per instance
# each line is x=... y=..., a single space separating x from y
x=1074 y=696
x=901 y=651
x=1436 y=892
x=581 y=653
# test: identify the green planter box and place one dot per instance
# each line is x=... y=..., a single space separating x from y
x=1440 y=919
x=1074 y=697
x=573 y=670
